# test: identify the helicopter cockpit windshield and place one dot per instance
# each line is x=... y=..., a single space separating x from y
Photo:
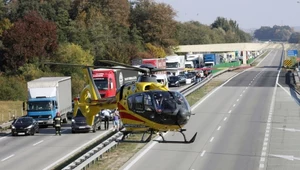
x=157 y=104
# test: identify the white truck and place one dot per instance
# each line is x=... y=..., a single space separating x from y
x=47 y=96
x=176 y=62
x=197 y=59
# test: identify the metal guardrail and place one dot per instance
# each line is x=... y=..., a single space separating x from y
x=96 y=153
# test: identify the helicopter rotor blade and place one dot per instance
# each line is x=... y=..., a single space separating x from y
x=66 y=64
x=143 y=70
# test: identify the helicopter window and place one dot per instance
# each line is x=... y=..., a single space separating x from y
x=139 y=103
x=101 y=83
x=130 y=102
x=148 y=103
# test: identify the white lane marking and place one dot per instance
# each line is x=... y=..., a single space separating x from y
x=261 y=165
x=75 y=150
x=225 y=119
x=233 y=105
x=262 y=159
x=267 y=133
x=264 y=58
x=7 y=158
x=241 y=95
x=229 y=111
x=3 y=137
x=127 y=167
x=203 y=152
x=237 y=100
x=244 y=91
x=38 y=143
x=216 y=89
x=211 y=139
x=249 y=84
x=246 y=87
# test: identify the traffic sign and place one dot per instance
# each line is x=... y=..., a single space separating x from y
x=292 y=53
x=287 y=63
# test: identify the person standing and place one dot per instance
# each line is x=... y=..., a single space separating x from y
x=57 y=124
x=106 y=114
x=116 y=122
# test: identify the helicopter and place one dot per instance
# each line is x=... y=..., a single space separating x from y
x=144 y=106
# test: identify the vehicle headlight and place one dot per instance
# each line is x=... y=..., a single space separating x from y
x=13 y=127
x=73 y=120
x=50 y=117
x=29 y=127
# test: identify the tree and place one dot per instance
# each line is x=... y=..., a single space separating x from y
x=72 y=54
x=155 y=21
x=295 y=38
x=31 y=39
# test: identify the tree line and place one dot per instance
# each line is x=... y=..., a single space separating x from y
x=85 y=31
x=277 y=33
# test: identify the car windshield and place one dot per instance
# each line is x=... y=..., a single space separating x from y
x=40 y=106
x=101 y=83
x=173 y=78
x=23 y=121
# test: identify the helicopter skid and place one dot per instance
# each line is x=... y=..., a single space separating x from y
x=143 y=140
x=184 y=137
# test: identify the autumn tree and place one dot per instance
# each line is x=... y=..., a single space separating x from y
x=155 y=21
x=31 y=39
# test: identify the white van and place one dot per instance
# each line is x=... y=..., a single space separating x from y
x=163 y=79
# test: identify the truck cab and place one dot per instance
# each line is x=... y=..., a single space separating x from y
x=42 y=109
x=105 y=82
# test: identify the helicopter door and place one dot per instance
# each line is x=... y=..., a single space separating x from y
x=140 y=103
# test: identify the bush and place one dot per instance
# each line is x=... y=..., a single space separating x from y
x=13 y=88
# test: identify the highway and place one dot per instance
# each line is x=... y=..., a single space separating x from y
x=234 y=125
x=44 y=150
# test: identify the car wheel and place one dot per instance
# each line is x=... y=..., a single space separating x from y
x=13 y=134
x=99 y=127
x=37 y=130
x=32 y=133
x=73 y=131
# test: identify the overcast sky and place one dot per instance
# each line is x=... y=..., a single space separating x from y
x=247 y=13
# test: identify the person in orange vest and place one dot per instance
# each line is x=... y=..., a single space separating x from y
x=57 y=124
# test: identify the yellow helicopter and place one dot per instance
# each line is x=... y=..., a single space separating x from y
x=145 y=106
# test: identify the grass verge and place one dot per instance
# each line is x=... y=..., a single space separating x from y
x=260 y=58
x=10 y=108
x=118 y=156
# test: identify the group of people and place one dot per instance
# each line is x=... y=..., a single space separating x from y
x=106 y=115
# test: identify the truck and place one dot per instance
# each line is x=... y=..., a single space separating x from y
x=197 y=59
x=108 y=81
x=47 y=96
x=211 y=60
x=176 y=62
x=156 y=62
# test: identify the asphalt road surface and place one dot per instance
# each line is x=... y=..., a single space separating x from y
x=43 y=150
x=234 y=125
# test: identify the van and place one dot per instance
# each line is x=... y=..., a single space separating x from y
x=163 y=79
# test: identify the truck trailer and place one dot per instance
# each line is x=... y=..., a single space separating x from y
x=47 y=96
x=176 y=62
x=211 y=60
x=156 y=62
x=108 y=81
x=197 y=59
